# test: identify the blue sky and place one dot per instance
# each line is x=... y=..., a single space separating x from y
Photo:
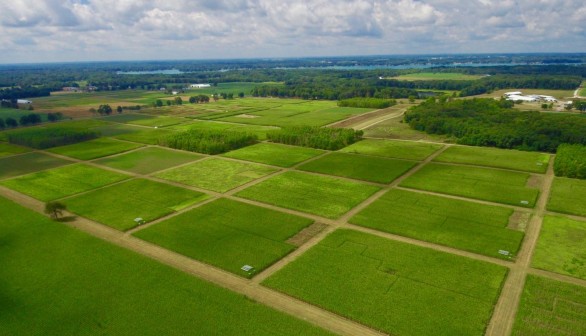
x=88 y=30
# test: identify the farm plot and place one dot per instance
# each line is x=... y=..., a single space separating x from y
x=514 y=188
x=229 y=235
x=148 y=160
x=147 y=136
x=159 y=121
x=128 y=117
x=216 y=174
x=549 y=307
x=368 y=168
x=60 y=182
x=70 y=283
x=274 y=154
x=495 y=157
x=320 y=195
x=113 y=129
x=560 y=247
x=393 y=149
x=94 y=148
x=8 y=149
x=568 y=196
x=259 y=131
x=119 y=205
x=395 y=287
x=464 y=225
x=28 y=163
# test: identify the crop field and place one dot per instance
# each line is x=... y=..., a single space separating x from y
x=560 y=248
x=463 y=225
x=159 y=121
x=393 y=149
x=28 y=163
x=16 y=114
x=113 y=129
x=60 y=182
x=146 y=136
x=259 y=131
x=127 y=117
x=493 y=185
x=229 y=235
x=216 y=174
x=494 y=157
x=568 y=196
x=319 y=195
x=149 y=160
x=582 y=92
x=8 y=149
x=71 y=278
x=274 y=154
x=426 y=76
x=395 y=287
x=395 y=128
x=368 y=168
x=549 y=307
x=94 y=148
x=119 y=205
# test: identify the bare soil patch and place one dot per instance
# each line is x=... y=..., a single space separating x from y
x=519 y=220
x=306 y=234
x=534 y=181
x=247 y=116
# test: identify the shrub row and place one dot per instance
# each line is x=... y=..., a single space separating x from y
x=367 y=103
x=570 y=161
x=42 y=138
x=209 y=141
x=315 y=137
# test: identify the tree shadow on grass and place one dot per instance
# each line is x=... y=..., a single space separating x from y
x=66 y=219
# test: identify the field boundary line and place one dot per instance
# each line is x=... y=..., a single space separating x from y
x=558 y=277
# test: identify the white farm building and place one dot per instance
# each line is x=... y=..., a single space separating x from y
x=199 y=86
x=518 y=96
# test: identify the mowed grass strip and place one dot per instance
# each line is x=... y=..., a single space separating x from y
x=28 y=163
x=368 y=168
x=94 y=148
x=463 y=225
x=474 y=182
x=320 y=195
x=158 y=121
x=216 y=174
x=8 y=149
x=568 y=196
x=496 y=157
x=561 y=247
x=393 y=149
x=274 y=154
x=65 y=181
x=228 y=234
x=149 y=160
x=119 y=205
x=398 y=288
x=60 y=281
x=550 y=307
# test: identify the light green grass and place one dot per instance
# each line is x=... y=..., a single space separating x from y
x=60 y=281
x=159 y=121
x=117 y=206
x=481 y=183
x=127 y=117
x=393 y=149
x=28 y=163
x=94 y=148
x=582 y=91
x=8 y=149
x=146 y=136
x=274 y=154
x=259 y=131
x=568 y=196
x=216 y=174
x=463 y=225
x=65 y=181
x=495 y=157
x=320 y=195
x=427 y=76
x=395 y=287
x=148 y=160
x=368 y=168
x=229 y=235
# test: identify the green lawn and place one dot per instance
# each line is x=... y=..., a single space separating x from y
x=8 y=149
x=464 y=225
x=427 y=76
x=146 y=136
x=320 y=195
x=28 y=163
x=69 y=283
x=148 y=160
x=393 y=149
x=118 y=205
x=368 y=168
x=94 y=148
x=274 y=154
x=495 y=157
x=549 y=307
x=228 y=234
x=395 y=287
x=65 y=181
x=157 y=122
x=568 y=196
x=216 y=174
x=474 y=182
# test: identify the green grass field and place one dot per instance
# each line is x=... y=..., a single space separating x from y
x=568 y=196
x=560 y=247
x=549 y=307
x=60 y=182
x=157 y=122
x=8 y=149
x=117 y=206
x=481 y=183
x=260 y=131
x=94 y=148
x=127 y=117
x=393 y=149
x=274 y=154
x=148 y=160
x=320 y=195
x=28 y=163
x=463 y=225
x=228 y=234
x=582 y=92
x=216 y=174
x=368 y=168
x=427 y=76
x=395 y=287
x=494 y=157
x=69 y=283
x=146 y=136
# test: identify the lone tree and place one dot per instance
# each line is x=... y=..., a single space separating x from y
x=55 y=209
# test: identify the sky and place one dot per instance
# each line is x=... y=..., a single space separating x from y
x=99 y=30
